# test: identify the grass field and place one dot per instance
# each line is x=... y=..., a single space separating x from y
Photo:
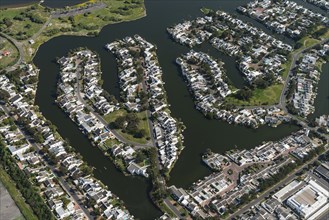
x=142 y=125
x=269 y=96
x=89 y=24
x=16 y=195
x=286 y=67
x=23 y=22
x=11 y=59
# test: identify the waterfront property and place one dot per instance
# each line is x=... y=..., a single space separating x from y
x=82 y=67
x=320 y=3
x=306 y=78
x=259 y=55
x=206 y=79
x=284 y=17
x=208 y=84
x=55 y=193
x=240 y=173
x=143 y=88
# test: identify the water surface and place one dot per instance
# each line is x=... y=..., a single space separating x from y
x=200 y=133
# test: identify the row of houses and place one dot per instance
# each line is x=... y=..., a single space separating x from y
x=324 y=4
x=87 y=121
x=239 y=172
x=269 y=151
x=101 y=197
x=257 y=52
x=205 y=78
x=253 y=47
x=284 y=17
x=252 y=117
x=57 y=149
x=35 y=167
x=185 y=33
x=166 y=129
x=130 y=77
x=68 y=98
x=84 y=66
x=306 y=78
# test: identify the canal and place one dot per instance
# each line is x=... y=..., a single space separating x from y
x=200 y=133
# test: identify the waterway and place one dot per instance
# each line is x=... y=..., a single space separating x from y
x=200 y=133
x=48 y=3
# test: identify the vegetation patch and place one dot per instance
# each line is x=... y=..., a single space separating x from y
x=268 y=96
x=22 y=23
x=16 y=195
x=8 y=53
x=132 y=126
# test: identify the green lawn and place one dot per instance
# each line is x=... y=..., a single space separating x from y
x=16 y=195
x=286 y=67
x=11 y=59
x=142 y=125
x=23 y=21
x=269 y=96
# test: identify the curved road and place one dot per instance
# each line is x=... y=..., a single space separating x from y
x=295 y=57
x=102 y=120
x=19 y=46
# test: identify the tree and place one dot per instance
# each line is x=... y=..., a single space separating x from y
x=140 y=156
x=7 y=22
x=4 y=95
x=140 y=133
x=244 y=94
x=38 y=137
x=86 y=170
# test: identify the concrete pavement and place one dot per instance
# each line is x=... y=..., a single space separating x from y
x=266 y=193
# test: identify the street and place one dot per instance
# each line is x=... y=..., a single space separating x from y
x=266 y=193
x=54 y=170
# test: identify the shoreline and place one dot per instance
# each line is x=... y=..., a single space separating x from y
x=18 y=6
x=74 y=34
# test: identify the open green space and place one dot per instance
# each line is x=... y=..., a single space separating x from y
x=90 y=23
x=8 y=53
x=268 y=96
x=16 y=195
x=286 y=67
x=21 y=23
x=143 y=125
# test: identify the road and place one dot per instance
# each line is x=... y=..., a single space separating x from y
x=173 y=208
x=42 y=28
x=102 y=120
x=282 y=101
x=54 y=170
x=19 y=46
x=266 y=193
x=295 y=57
x=56 y=14
x=77 y=11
